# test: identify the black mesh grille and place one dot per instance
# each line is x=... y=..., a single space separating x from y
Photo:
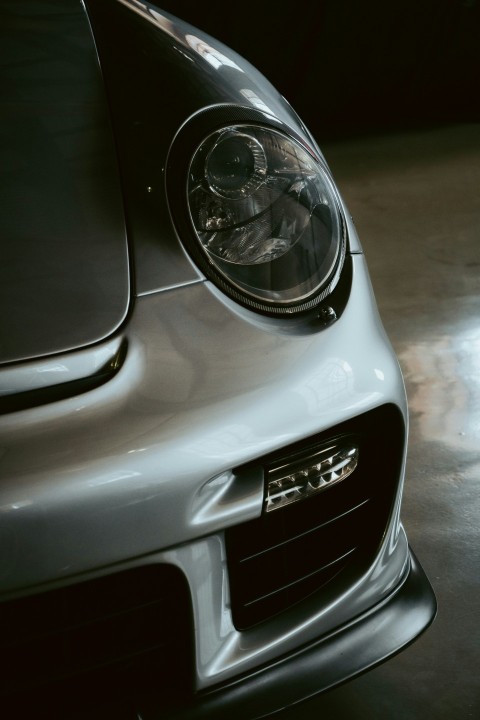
x=325 y=542
x=89 y=643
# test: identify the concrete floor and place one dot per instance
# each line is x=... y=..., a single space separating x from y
x=415 y=199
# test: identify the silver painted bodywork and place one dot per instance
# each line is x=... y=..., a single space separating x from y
x=141 y=469
x=129 y=471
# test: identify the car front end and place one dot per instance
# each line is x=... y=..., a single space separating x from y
x=200 y=482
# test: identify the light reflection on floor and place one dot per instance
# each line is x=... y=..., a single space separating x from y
x=416 y=203
x=443 y=377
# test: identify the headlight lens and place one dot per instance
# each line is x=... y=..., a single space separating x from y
x=266 y=216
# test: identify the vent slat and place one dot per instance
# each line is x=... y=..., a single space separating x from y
x=302 y=579
x=304 y=534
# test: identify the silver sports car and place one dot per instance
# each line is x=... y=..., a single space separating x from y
x=203 y=426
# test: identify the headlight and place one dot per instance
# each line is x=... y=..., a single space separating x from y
x=267 y=226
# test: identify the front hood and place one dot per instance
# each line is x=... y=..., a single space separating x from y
x=64 y=279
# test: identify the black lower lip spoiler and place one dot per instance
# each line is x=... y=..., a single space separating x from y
x=354 y=648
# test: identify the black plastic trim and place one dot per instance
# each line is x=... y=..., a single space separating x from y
x=274 y=552
x=348 y=651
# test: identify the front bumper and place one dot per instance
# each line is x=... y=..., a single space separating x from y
x=204 y=388
x=357 y=646
x=141 y=471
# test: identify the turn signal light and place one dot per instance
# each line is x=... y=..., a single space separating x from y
x=300 y=479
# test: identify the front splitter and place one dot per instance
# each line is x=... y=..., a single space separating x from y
x=354 y=648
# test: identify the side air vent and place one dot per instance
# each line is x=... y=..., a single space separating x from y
x=346 y=479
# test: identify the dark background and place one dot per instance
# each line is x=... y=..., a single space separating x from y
x=351 y=67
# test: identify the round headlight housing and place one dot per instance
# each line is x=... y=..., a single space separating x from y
x=266 y=217
x=259 y=214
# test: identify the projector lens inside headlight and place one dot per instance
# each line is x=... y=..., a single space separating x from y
x=236 y=166
x=266 y=216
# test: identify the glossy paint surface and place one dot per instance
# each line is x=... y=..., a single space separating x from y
x=158 y=72
x=144 y=468
x=144 y=462
x=64 y=276
x=201 y=391
x=61 y=369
